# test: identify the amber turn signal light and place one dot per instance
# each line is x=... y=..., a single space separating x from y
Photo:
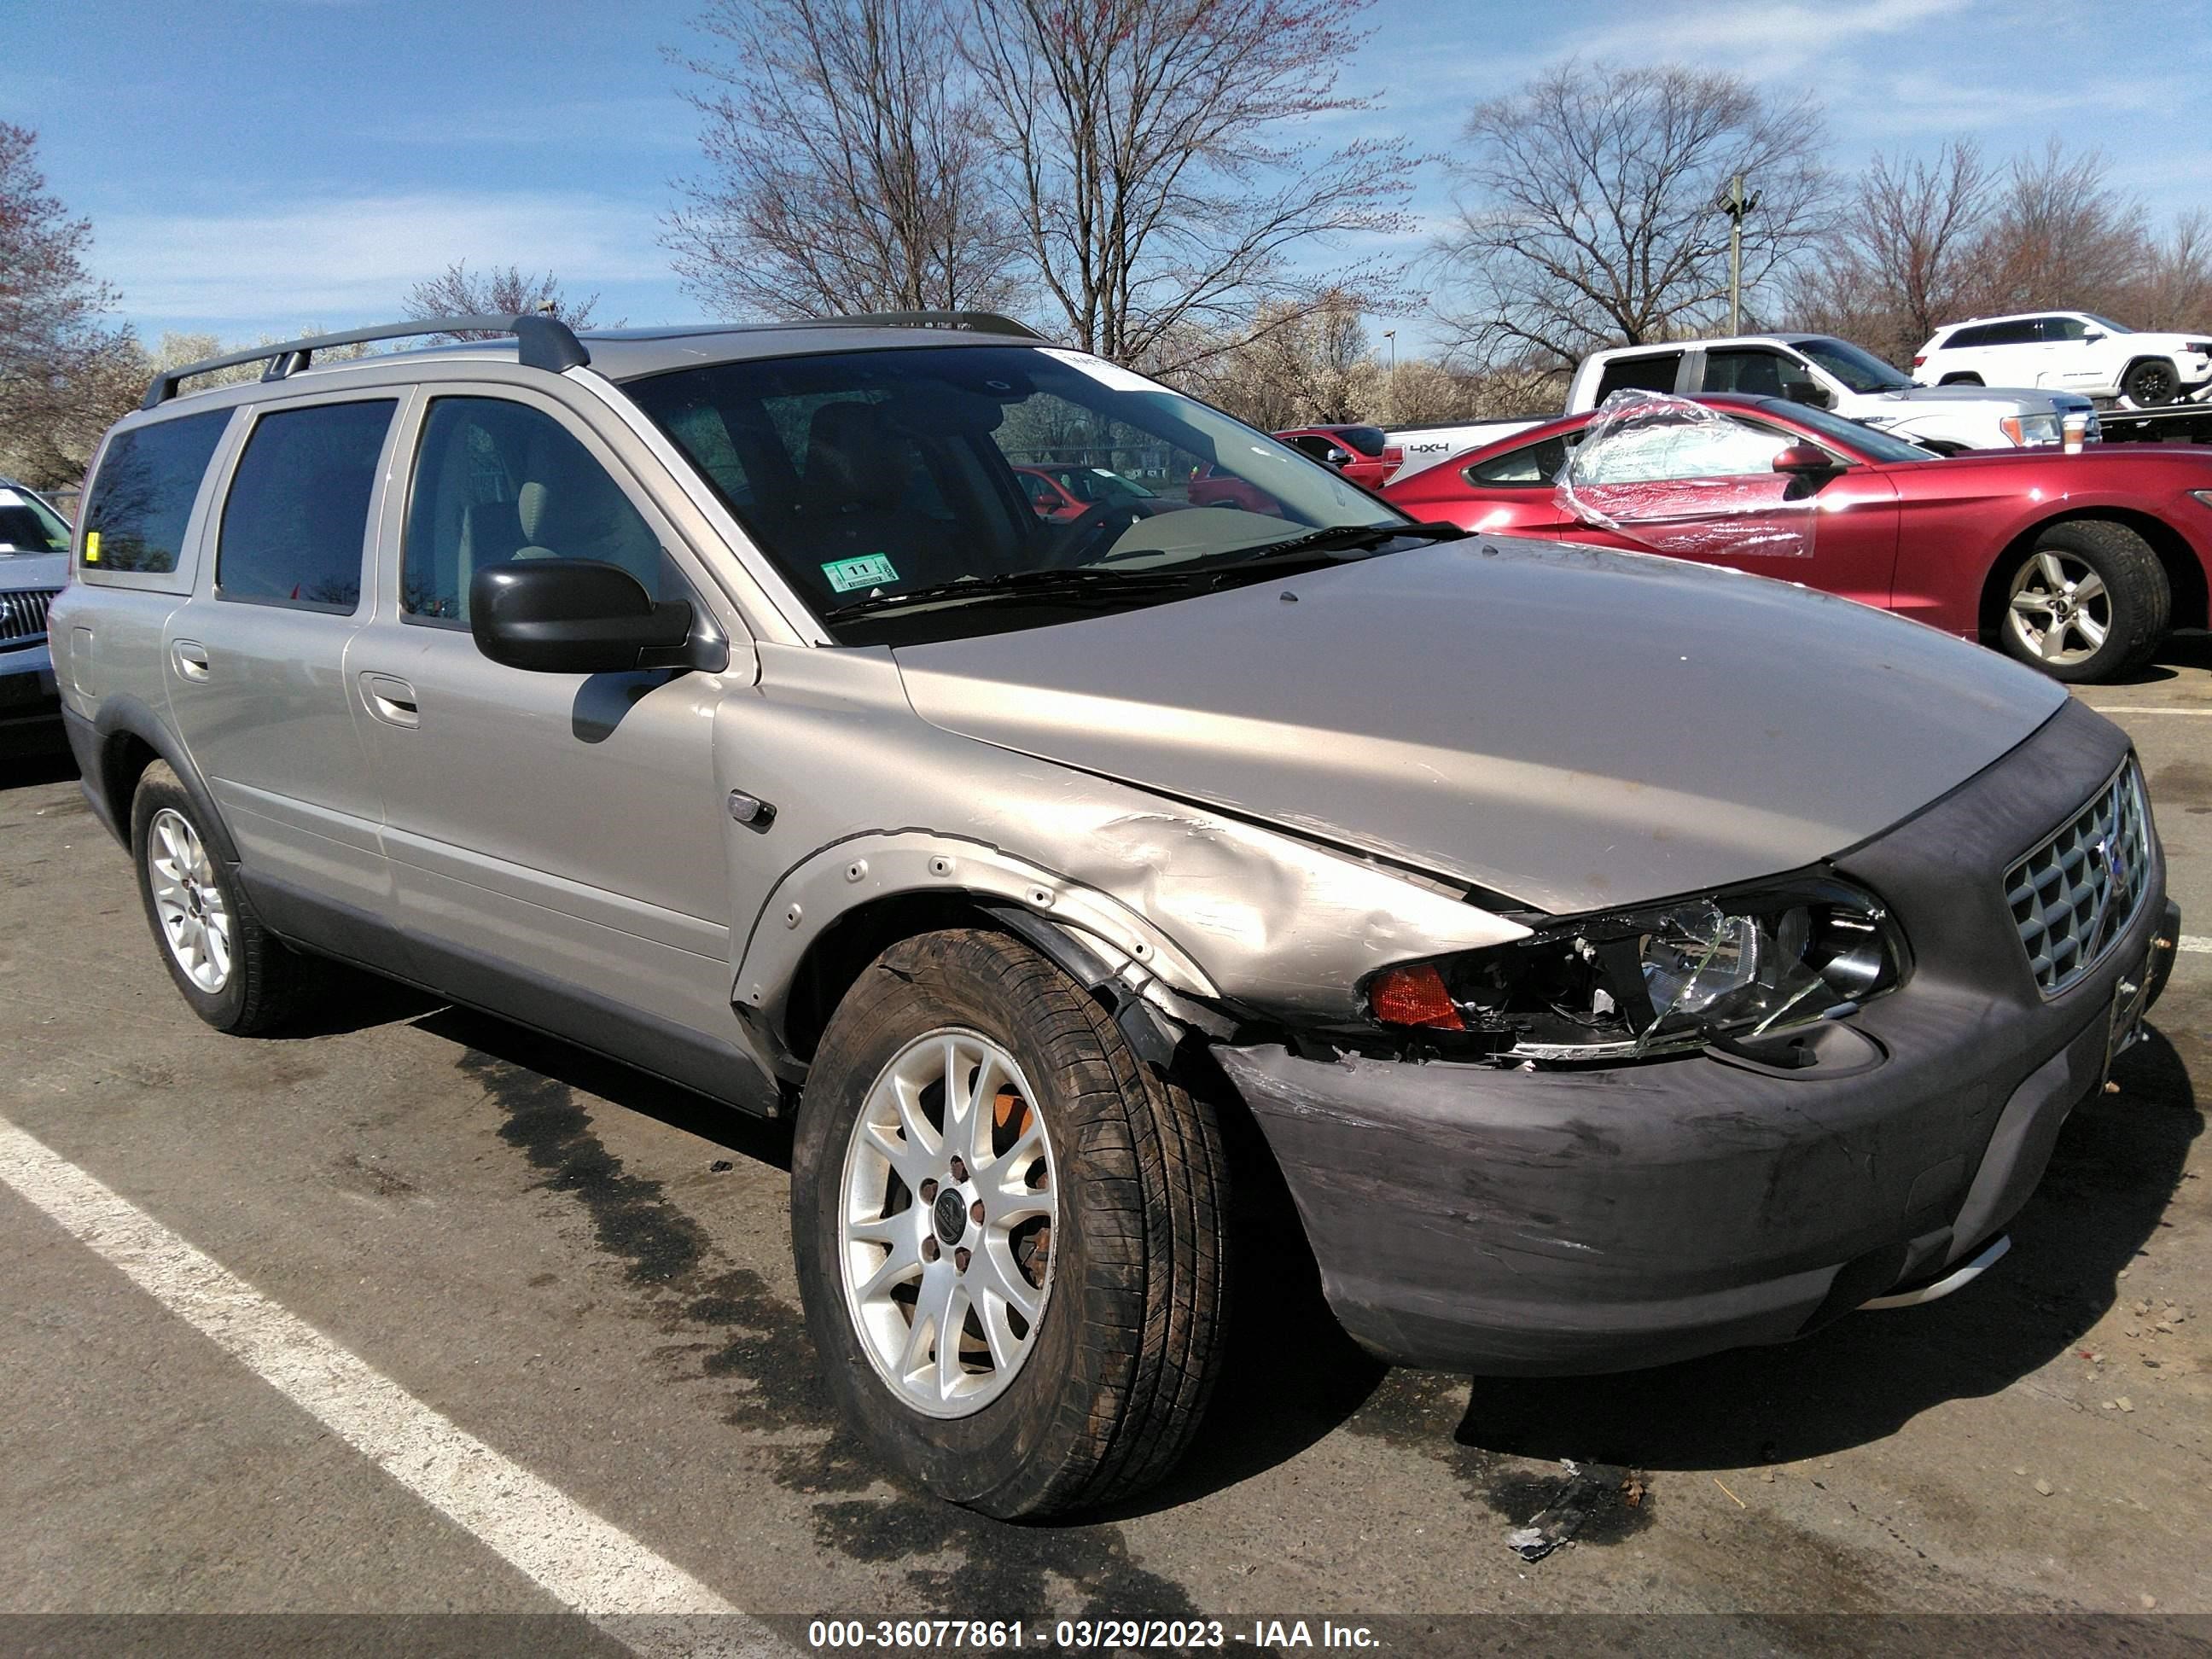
x=1413 y=996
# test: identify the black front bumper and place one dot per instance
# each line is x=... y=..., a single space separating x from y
x=1481 y=1219
x=30 y=702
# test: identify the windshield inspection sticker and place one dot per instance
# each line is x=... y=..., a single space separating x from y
x=870 y=571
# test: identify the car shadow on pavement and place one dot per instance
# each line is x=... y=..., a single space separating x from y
x=2178 y=651
x=23 y=770
x=765 y=1140
x=2097 y=1212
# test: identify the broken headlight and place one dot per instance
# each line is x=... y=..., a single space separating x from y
x=1734 y=964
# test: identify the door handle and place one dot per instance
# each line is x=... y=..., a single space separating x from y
x=390 y=699
x=191 y=658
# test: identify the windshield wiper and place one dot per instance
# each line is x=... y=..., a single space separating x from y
x=1347 y=537
x=1018 y=584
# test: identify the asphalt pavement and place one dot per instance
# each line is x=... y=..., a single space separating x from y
x=420 y=1313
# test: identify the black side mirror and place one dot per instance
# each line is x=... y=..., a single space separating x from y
x=575 y=616
x=1805 y=391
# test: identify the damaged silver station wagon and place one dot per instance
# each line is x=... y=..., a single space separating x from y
x=1620 y=959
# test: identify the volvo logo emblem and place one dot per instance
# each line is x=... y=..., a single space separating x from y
x=950 y=1214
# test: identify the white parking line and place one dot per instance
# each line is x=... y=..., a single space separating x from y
x=2194 y=942
x=644 y=1601
x=2140 y=709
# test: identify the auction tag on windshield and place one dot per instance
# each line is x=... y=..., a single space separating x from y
x=1107 y=374
x=872 y=570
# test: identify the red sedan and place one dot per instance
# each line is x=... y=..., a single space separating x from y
x=2078 y=564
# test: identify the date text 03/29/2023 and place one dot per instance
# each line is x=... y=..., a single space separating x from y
x=1084 y=1634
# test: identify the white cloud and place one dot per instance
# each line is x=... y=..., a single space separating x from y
x=283 y=264
x=1762 y=39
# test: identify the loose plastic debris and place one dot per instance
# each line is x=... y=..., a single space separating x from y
x=1684 y=479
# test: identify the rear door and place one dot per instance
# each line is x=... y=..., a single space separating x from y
x=254 y=662
x=556 y=840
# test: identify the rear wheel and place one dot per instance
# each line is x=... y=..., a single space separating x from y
x=235 y=975
x=1961 y=379
x=2150 y=383
x=1008 y=1232
x=2089 y=600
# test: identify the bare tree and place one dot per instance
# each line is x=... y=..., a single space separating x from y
x=1157 y=167
x=1587 y=213
x=2175 y=289
x=847 y=170
x=1906 y=254
x=66 y=371
x=496 y=292
x=2061 y=235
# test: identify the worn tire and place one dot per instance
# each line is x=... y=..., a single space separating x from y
x=2141 y=597
x=1124 y=1353
x=2150 y=383
x=266 y=981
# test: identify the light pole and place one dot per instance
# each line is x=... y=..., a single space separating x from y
x=1391 y=335
x=1735 y=204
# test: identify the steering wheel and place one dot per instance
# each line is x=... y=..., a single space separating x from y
x=1091 y=531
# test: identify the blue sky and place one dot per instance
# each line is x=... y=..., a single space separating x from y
x=262 y=165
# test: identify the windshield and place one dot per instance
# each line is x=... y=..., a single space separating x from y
x=1865 y=441
x=27 y=525
x=871 y=475
x=1859 y=369
x=2107 y=324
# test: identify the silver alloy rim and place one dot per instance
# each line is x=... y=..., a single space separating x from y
x=188 y=900
x=2058 y=609
x=946 y=1210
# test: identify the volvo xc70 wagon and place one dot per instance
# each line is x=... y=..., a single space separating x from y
x=1619 y=959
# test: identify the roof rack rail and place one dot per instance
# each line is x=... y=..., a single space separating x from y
x=975 y=322
x=545 y=342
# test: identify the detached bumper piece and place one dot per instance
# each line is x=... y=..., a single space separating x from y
x=1570 y=1220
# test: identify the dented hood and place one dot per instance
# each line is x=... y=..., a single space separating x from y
x=1573 y=727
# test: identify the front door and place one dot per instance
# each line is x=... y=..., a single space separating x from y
x=255 y=660
x=1697 y=484
x=556 y=839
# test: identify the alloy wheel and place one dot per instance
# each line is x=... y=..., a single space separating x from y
x=2058 y=609
x=188 y=900
x=947 y=1205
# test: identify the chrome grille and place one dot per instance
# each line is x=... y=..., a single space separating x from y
x=2073 y=895
x=23 y=614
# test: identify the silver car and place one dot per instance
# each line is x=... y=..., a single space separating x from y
x=1619 y=959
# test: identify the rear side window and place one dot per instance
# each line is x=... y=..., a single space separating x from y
x=1527 y=466
x=496 y=481
x=141 y=499
x=2022 y=331
x=295 y=524
x=1963 y=339
x=1652 y=374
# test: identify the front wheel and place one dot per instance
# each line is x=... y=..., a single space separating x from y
x=1008 y=1232
x=2150 y=383
x=2088 y=601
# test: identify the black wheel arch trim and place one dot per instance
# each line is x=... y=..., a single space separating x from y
x=125 y=715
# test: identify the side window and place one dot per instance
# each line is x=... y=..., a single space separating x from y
x=2063 y=329
x=1965 y=339
x=1751 y=371
x=2020 y=332
x=141 y=500
x=1530 y=464
x=1671 y=451
x=296 y=523
x=496 y=481
x=1654 y=373
x=26 y=525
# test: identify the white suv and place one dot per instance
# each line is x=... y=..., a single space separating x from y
x=2076 y=350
